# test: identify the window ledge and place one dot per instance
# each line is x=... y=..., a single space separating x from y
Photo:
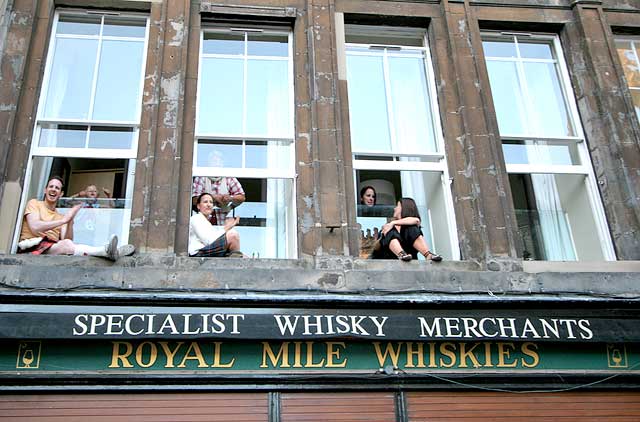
x=581 y=266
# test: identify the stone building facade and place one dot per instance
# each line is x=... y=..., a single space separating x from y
x=514 y=123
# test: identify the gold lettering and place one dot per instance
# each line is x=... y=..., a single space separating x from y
x=464 y=354
x=170 y=353
x=197 y=355
x=331 y=352
x=283 y=355
x=297 y=354
x=444 y=350
x=394 y=354
x=153 y=354
x=432 y=355
x=217 y=347
x=116 y=355
x=503 y=353
x=527 y=349
x=417 y=353
x=309 y=363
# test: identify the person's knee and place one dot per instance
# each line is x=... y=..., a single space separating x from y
x=66 y=247
x=233 y=236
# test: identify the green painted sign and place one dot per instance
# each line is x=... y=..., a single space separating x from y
x=156 y=356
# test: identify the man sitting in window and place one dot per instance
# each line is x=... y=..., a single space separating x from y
x=46 y=231
x=227 y=192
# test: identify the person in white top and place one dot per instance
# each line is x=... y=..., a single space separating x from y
x=205 y=239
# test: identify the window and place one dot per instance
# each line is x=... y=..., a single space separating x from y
x=628 y=53
x=244 y=131
x=396 y=137
x=559 y=215
x=88 y=118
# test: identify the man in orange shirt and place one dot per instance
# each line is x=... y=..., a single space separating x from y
x=46 y=231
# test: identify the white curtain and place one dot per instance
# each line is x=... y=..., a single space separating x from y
x=556 y=235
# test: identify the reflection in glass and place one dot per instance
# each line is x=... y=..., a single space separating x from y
x=367 y=104
x=268 y=45
x=548 y=103
x=535 y=50
x=118 y=87
x=540 y=152
x=69 y=90
x=63 y=136
x=507 y=97
x=220 y=94
x=222 y=43
x=78 y=25
x=410 y=99
x=267 y=107
x=495 y=48
x=220 y=154
x=124 y=27
x=111 y=137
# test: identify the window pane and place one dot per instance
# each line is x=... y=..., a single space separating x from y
x=367 y=104
x=496 y=48
x=635 y=96
x=63 y=136
x=424 y=187
x=120 y=27
x=220 y=154
x=540 y=152
x=555 y=218
x=629 y=61
x=118 y=89
x=105 y=212
x=268 y=99
x=69 y=91
x=220 y=95
x=79 y=25
x=548 y=102
x=535 y=50
x=111 y=137
x=273 y=154
x=507 y=97
x=267 y=226
x=218 y=43
x=268 y=45
x=410 y=99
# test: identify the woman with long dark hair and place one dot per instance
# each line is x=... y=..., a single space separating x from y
x=402 y=237
x=206 y=239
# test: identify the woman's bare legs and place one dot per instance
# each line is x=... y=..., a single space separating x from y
x=421 y=246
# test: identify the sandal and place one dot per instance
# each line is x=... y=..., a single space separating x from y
x=403 y=256
x=432 y=256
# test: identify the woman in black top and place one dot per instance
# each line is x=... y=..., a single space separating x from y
x=402 y=237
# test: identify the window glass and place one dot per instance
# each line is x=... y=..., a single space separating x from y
x=63 y=136
x=535 y=50
x=367 y=104
x=497 y=48
x=540 y=152
x=223 y=43
x=71 y=80
x=267 y=45
x=220 y=154
x=111 y=137
x=628 y=53
x=547 y=100
x=507 y=98
x=221 y=96
x=268 y=103
x=130 y=28
x=79 y=25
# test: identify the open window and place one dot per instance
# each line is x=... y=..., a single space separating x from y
x=244 y=133
x=396 y=137
x=558 y=210
x=87 y=123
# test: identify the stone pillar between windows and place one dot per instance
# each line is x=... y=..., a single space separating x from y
x=322 y=202
x=21 y=66
x=153 y=219
x=482 y=196
x=606 y=113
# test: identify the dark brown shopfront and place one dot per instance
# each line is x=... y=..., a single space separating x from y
x=324 y=406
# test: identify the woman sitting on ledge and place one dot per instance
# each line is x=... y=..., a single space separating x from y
x=205 y=239
x=402 y=238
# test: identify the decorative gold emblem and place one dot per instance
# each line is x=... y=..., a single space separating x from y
x=616 y=356
x=28 y=355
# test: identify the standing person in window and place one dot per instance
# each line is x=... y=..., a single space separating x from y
x=227 y=192
x=91 y=195
x=402 y=237
x=46 y=231
x=207 y=239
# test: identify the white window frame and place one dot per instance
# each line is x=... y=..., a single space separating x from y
x=431 y=162
x=129 y=154
x=584 y=168
x=288 y=173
